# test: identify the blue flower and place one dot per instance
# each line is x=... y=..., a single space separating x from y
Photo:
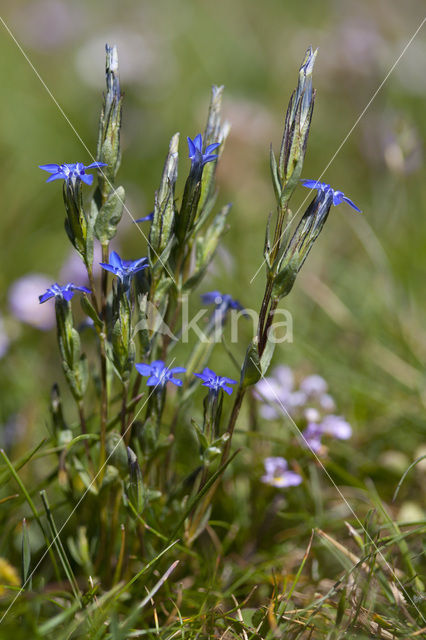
x=65 y=292
x=338 y=196
x=196 y=154
x=223 y=302
x=150 y=216
x=278 y=475
x=158 y=374
x=71 y=172
x=124 y=269
x=213 y=381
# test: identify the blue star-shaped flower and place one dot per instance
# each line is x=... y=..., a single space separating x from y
x=338 y=196
x=158 y=374
x=124 y=269
x=224 y=301
x=71 y=172
x=196 y=154
x=65 y=292
x=213 y=381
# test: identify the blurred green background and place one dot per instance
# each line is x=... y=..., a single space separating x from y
x=359 y=305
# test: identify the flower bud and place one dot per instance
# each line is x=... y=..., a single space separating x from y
x=296 y=128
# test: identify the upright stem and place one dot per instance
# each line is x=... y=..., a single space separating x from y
x=104 y=381
x=125 y=431
x=84 y=431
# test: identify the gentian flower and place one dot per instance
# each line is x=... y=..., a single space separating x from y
x=150 y=216
x=338 y=196
x=65 y=292
x=158 y=374
x=224 y=302
x=124 y=269
x=196 y=154
x=213 y=381
x=278 y=475
x=71 y=172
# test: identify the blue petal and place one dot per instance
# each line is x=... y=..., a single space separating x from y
x=228 y=380
x=144 y=369
x=176 y=381
x=198 y=142
x=108 y=267
x=57 y=176
x=313 y=184
x=191 y=147
x=87 y=178
x=158 y=363
x=212 y=147
x=45 y=296
x=210 y=297
x=67 y=294
x=52 y=168
x=177 y=370
x=95 y=165
x=81 y=288
x=227 y=390
x=352 y=204
x=209 y=158
x=150 y=216
x=202 y=377
x=152 y=381
x=115 y=260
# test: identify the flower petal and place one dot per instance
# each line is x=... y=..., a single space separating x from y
x=352 y=204
x=52 y=168
x=87 y=178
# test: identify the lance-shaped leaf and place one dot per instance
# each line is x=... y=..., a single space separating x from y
x=109 y=215
x=136 y=487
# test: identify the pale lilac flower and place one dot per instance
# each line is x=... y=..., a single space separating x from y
x=279 y=394
x=326 y=402
x=314 y=385
x=24 y=305
x=336 y=426
x=331 y=425
x=278 y=475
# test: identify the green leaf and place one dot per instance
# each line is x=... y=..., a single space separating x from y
x=110 y=215
x=26 y=557
x=251 y=371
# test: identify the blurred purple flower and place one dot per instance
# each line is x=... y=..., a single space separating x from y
x=278 y=392
x=331 y=425
x=223 y=302
x=74 y=269
x=278 y=475
x=24 y=305
x=313 y=385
